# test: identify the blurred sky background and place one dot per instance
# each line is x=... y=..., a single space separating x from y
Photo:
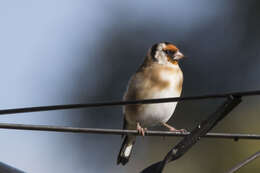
x=63 y=52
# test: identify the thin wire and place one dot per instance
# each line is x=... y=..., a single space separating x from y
x=244 y=162
x=117 y=103
x=121 y=132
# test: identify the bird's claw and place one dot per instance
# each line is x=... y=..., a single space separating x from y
x=178 y=130
x=141 y=130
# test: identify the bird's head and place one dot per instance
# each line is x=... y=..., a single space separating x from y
x=165 y=53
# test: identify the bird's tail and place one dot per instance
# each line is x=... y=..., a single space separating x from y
x=126 y=149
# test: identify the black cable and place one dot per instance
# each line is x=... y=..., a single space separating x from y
x=117 y=103
x=244 y=162
x=190 y=140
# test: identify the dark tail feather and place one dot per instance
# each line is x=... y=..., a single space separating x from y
x=126 y=150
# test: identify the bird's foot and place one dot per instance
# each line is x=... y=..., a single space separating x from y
x=140 y=130
x=178 y=130
x=172 y=129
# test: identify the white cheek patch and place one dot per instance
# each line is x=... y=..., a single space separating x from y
x=128 y=150
x=159 y=54
x=161 y=57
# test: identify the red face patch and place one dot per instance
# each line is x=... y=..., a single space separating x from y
x=171 y=47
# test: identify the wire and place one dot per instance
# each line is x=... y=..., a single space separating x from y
x=121 y=132
x=184 y=145
x=161 y=164
x=117 y=103
x=244 y=162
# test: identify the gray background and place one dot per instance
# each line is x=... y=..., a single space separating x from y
x=62 y=52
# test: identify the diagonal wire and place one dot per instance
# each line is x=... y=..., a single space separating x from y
x=234 y=136
x=244 y=162
x=117 y=103
x=188 y=141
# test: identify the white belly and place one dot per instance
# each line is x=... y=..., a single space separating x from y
x=154 y=114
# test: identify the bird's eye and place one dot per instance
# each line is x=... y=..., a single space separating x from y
x=169 y=52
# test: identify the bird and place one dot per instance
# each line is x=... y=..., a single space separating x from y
x=159 y=76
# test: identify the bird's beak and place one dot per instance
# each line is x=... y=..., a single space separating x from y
x=178 y=55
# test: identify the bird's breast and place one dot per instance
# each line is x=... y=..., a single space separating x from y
x=158 y=82
x=151 y=83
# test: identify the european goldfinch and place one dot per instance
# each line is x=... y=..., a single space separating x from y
x=158 y=77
